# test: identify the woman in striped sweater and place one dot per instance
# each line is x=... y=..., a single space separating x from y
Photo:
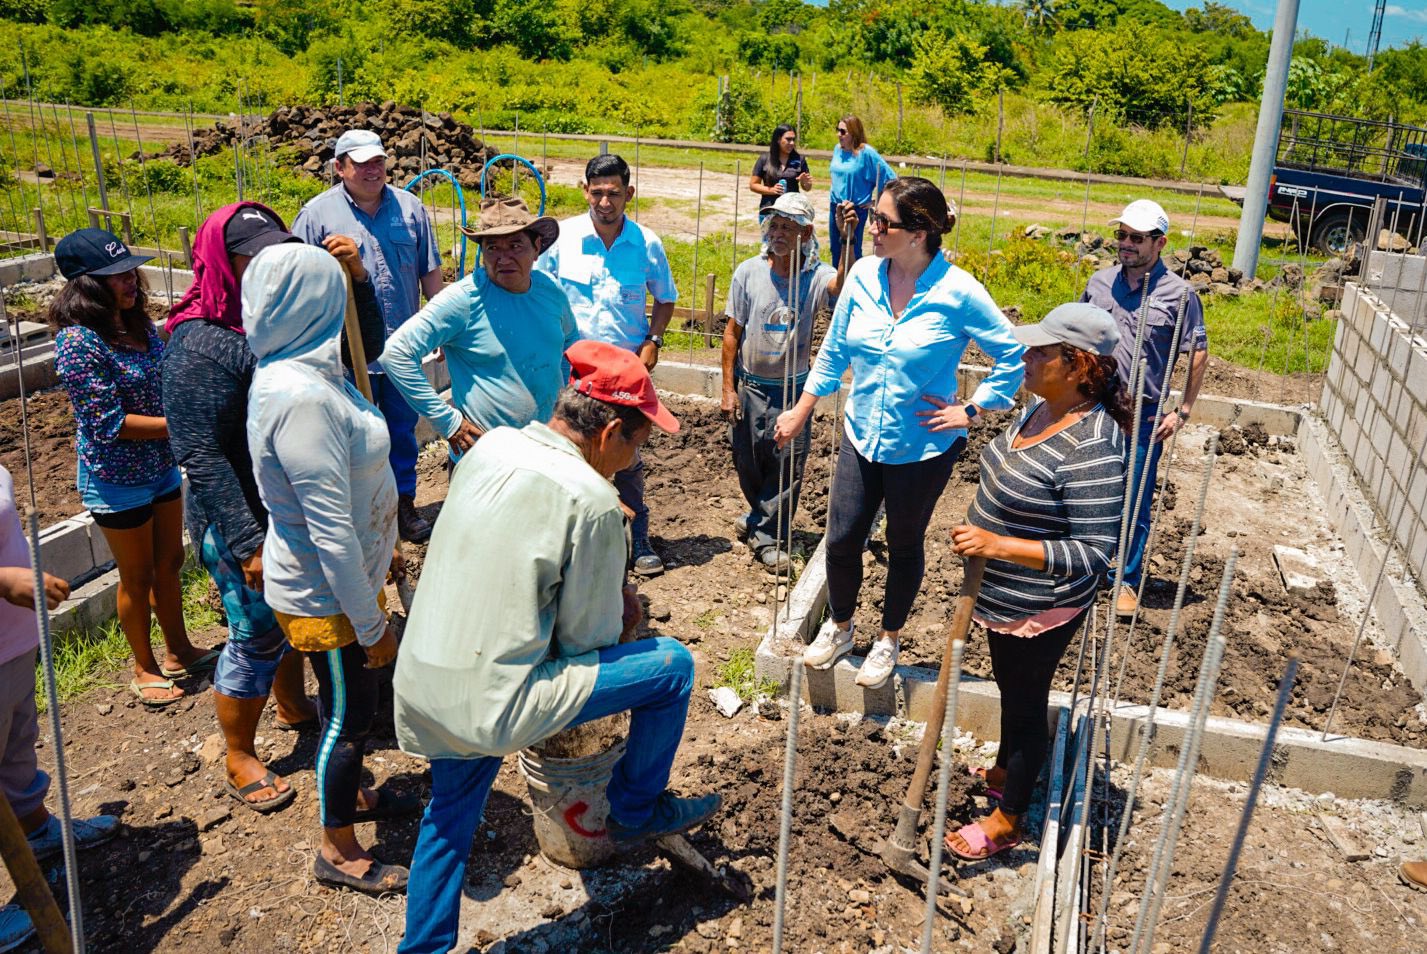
x=1046 y=519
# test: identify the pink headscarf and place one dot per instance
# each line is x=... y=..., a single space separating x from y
x=214 y=294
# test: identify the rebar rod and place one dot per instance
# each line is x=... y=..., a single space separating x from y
x=787 y=465
x=14 y=325
x=694 y=277
x=636 y=179
x=1089 y=138
x=1285 y=689
x=78 y=168
x=34 y=136
x=960 y=206
x=1153 y=895
x=995 y=208
x=63 y=155
x=1147 y=732
x=943 y=790
x=737 y=177
x=123 y=176
x=18 y=215
x=785 y=823
x=193 y=167
x=1194 y=222
x=153 y=215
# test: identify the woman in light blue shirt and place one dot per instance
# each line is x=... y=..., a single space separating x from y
x=857 y=175
x=902 y=323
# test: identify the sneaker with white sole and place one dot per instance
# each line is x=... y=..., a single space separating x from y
x=829 y=646
x=879 y=664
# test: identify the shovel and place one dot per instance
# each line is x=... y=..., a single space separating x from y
x=404 y=590
x=899 y=852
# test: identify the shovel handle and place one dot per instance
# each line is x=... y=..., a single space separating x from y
x=355 y=347
x=960 y=625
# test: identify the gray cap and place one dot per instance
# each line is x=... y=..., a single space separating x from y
x=1078 y=324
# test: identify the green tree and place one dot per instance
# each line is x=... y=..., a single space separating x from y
x=292 y=24
x=1136 y=74
x=1219 y=19
x=948 y=72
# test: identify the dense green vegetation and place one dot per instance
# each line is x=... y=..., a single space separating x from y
x=935 y=71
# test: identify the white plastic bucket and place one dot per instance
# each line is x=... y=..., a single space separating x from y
x=568 y=796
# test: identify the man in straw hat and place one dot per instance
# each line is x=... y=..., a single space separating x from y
x=610 y=266
x=766 y=356
x=503 y=330
x=519 y=637
x=398 y=249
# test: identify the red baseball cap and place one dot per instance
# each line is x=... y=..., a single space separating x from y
x=611 y=374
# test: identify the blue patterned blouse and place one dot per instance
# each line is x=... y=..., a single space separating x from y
x=105 y=384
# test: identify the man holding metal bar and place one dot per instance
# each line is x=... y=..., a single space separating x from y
x=397 y=243
x=608 y=265
x=1140 y=285
x=766 y=356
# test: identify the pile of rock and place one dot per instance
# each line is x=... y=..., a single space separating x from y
x=306 y=134
x=1205 y=269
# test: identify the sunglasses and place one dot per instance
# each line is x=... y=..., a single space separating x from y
x=881 y=223
x=1134 y=238
x=842 y=130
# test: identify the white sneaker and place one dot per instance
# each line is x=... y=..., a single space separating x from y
x=829 y=646
x=879 y=664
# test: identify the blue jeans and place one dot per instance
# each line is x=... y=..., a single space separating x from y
x=652 y=678
x=256 y=643
x=1140 y=531
x=835 y=235
x=401 y=428
x=630 y=484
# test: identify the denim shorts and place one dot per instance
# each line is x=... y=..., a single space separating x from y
x=135 y=503
x=255 y=642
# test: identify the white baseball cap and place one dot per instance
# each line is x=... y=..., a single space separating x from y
x=361 y=144
x=1143 y=215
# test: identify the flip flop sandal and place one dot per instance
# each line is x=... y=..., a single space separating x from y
x=205 y=663
x=389 y=805
x=994 y=793
x=267 y=781
x=982 y=846
x=137 y=688
x=379 y=878
x=304 y=726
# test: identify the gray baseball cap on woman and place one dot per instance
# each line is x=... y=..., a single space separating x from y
x=1078 y=324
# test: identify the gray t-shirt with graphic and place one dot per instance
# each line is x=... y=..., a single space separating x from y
x=759 y=301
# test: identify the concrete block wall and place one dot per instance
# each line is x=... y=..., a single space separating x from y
x=1374 y=401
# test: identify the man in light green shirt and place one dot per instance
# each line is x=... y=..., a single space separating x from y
x=515 y=634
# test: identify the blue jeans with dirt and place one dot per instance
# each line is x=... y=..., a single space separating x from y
x=1147 y=455
x=652 y=679
x=256 y=644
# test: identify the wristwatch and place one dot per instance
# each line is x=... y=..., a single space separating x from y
x=1183 y=414
x=971 y=411
x=657 y=339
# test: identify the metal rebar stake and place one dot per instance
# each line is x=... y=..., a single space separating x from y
x=785 y=824
x=1160 y=864
x=943 y=790
x=694 y=277
x=1285 y=689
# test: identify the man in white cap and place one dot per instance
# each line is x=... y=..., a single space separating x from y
x=1121 y=290
x=766 y=357
x=398 y=250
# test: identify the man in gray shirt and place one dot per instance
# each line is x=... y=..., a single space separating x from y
x=766 y=356
x=1121 y=290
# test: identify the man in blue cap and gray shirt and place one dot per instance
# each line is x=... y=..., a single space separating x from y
x=398 y=249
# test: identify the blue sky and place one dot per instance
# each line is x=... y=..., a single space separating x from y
x=1403 y=21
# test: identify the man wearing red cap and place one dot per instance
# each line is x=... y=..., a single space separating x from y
x=517 y=637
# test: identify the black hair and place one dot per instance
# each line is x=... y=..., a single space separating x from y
x=775 y=151
x=86 y=300
x=588 y=416
x=921 y=207
x=1100 y=380
x=603 y=167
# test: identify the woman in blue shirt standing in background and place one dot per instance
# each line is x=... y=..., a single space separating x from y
x=109 y=358
x=903 y=320
x=858 y=174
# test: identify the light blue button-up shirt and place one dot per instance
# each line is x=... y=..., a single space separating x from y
x=896 y=362
x=607 y=286
x=397 y=245
x=505 y=352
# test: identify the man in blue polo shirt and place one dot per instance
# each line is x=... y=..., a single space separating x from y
x=607 y=265
x=398 y=249
x=1122 y=290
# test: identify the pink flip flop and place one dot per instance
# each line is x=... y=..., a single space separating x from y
x=980 y=773
x=982 y=846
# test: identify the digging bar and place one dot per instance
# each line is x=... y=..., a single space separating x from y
x=899 y=852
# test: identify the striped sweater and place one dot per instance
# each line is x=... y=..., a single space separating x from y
x=1067 y=492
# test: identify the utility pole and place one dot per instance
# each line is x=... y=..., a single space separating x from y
x=1246 y=248
x=1375 y=34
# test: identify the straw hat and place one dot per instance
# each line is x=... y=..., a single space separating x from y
x=508 y=216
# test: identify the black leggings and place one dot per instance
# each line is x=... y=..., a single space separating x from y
x=1023 y=667
x=346 y=701
x=910 y=492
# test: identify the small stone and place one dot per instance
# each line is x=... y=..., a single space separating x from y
x=512 y=880
x=967 y=905
x=859 y=896
x=145 y=856
x=104 y=708
x=214 y=817
x=726 y=701
x=551 y=911
x=163 y=811
x=1383 y=657
x=659 y=612
x=212 y=749
x=735 y=929
x=835 y=797
x=708 y=929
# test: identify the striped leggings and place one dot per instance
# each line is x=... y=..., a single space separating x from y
x=346 y=702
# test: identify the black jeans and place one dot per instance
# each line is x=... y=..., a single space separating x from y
x=1023 y=667
x=910 y=492
x=346 y=701
x=763 y=472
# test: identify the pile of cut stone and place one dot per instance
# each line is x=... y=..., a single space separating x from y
x=308 y=134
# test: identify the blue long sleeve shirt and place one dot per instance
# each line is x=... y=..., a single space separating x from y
x=897 y=362
x=505 y=352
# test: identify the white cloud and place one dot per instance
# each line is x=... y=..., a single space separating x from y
x=1393 y=10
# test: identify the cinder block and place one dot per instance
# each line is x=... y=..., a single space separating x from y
x=98 y=543
x=1380 y=428
x=1399 y=353
x=1379 y=334
x=64 y=550
x=1382 y=386
x=1417 y=553
x=1366 y=363
x=1416 y=377
x=1399 y=462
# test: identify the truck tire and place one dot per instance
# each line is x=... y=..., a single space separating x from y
x=1335 y=231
